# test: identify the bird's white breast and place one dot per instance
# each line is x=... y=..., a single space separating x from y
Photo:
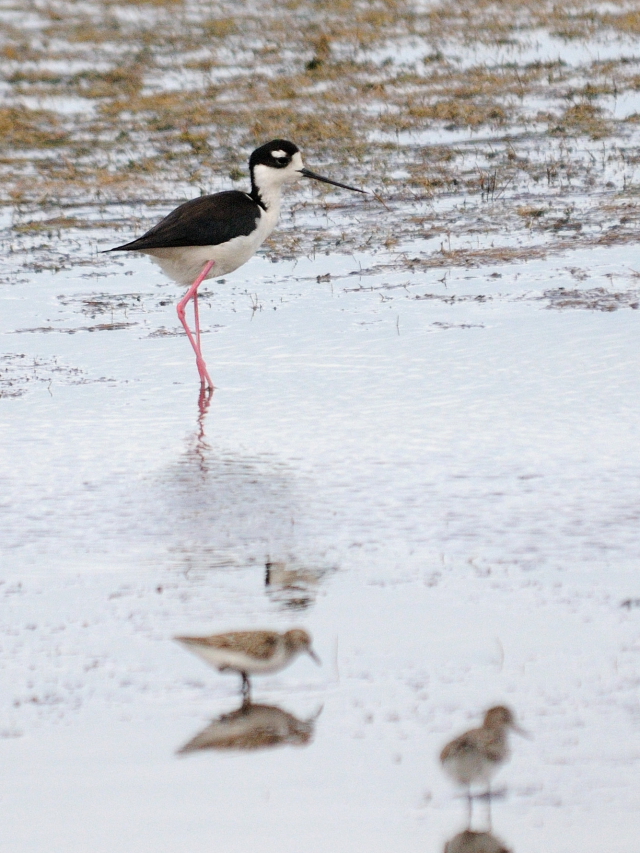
x=184 y=264
x=469 y=767
x=232 y=659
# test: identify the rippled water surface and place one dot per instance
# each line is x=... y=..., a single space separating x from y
x=451 y=485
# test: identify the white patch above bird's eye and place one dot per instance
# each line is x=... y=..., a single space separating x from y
x=278 y=154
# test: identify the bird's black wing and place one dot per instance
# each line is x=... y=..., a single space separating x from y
x=205 y=221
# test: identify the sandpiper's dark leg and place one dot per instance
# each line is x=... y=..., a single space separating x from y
x=469 y=807
x=246 y=689
x=205 y=379
x=489 y=806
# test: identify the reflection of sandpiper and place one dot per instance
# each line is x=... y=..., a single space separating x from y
x=251 y=652
x=475 y=842
x=292 y=585
x=252 y=727
x=473 y=757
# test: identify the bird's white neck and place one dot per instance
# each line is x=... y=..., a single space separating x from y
x=266 y=188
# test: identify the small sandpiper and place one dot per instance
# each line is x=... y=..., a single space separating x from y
x=251 y=652
x=473 y=757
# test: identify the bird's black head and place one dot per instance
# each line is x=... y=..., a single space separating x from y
x=276 y=163
x=276 y=154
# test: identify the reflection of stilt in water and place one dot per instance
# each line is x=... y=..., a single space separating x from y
x=475 y=842
x=473 y=757
x=292 y=585
x=224 y=509
x=251 y=652
x=201 y=447
x=204 y=401
x=253 y=727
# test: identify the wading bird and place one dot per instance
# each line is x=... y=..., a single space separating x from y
x=215 y=234
x=251 y=652
x=473 y=757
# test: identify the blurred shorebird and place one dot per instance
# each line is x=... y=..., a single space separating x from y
x=215 y=234
x=473 y=757
x=293 y=585
x=251 y=652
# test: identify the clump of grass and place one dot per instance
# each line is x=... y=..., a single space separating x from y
x=219 y=28
x=53 y=225
x=321 y=53
x=584 y=118
x=26 y=129
x=531 y=214
x=121 y=82
x=452 y=112
x=626 y=22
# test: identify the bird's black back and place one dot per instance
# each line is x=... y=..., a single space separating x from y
x=205 y=221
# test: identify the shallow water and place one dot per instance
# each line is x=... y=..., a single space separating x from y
x=455 y=481
x=423 y=454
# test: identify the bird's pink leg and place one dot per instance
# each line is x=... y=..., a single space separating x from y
x=196 y=316
x=192 y=293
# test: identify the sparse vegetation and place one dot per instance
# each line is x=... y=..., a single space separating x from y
x=477 y=102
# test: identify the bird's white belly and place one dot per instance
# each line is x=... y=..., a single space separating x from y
x=184 y=264
x=226 y=659
x=470 y=768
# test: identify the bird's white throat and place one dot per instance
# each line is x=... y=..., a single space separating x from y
x=269 y=181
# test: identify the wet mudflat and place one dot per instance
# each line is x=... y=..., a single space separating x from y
x=424 y=436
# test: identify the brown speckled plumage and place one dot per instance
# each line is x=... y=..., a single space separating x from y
x=257 y=644
x=474 y=756
x=490 y=740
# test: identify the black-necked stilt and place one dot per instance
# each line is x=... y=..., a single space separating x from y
x=251 y=652
x=215 y=234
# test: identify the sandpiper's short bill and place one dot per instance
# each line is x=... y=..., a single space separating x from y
x=251 y=652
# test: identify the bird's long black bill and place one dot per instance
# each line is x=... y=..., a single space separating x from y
x=309 y=174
